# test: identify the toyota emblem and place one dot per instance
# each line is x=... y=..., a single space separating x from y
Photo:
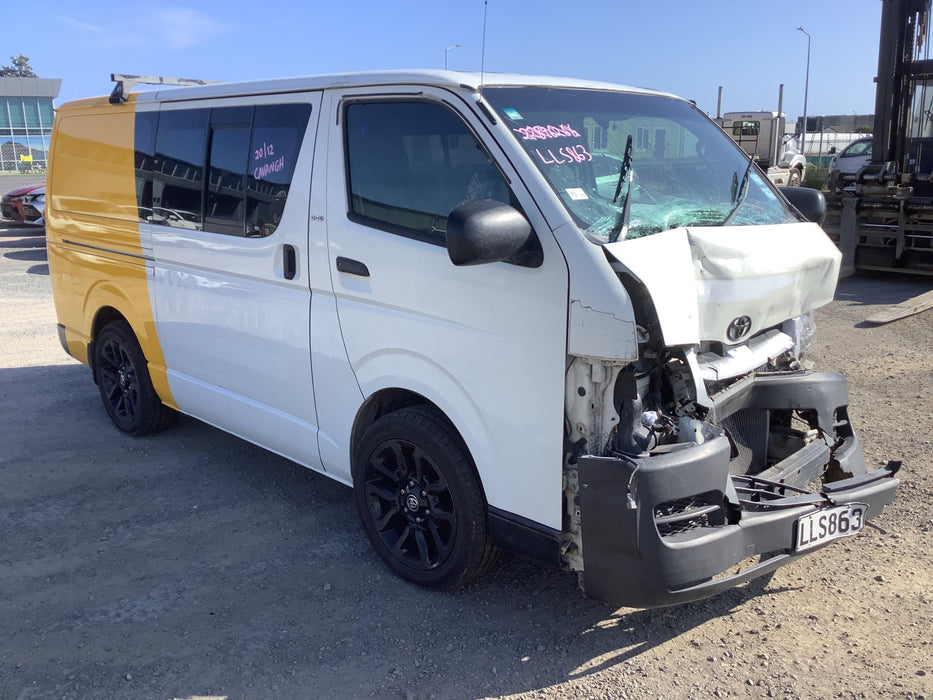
x=738 y=328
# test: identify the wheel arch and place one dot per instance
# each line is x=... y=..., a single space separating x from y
x=104 y=316
x=388 y=400
x=106 y=303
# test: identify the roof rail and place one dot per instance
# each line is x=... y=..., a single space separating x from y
x=125 y=83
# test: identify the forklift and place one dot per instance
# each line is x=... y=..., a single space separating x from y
x=882 y=217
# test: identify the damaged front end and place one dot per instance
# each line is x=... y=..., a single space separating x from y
x=700 y=466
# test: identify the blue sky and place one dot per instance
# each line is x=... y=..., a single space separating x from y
x=688 y=47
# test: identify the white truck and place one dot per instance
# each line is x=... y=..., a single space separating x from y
x=761 y=135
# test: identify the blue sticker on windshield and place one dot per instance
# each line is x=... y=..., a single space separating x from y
x=512 y=114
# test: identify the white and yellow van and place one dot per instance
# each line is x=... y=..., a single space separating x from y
x=553 y=316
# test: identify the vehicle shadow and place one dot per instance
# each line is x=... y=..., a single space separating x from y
x=881 y=288
x=239 y=570
x=33 y=254
x=596 y=637
x=14 y=228
x=23 y=242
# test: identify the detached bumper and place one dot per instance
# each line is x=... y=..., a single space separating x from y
x=689 y=521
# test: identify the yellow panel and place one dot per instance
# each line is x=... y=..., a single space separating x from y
x=96 y=259
x=92 y=170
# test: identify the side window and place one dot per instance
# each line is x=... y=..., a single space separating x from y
x=410 y=163
x=224 y=209
x=746 y=128
x=224 y=170
x=144 y=141
x=273 y=150
x=178 y=168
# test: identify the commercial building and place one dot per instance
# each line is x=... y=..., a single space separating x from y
x=26 y=116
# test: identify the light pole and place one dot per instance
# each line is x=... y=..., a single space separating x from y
x=455 y=46
x=806 y=90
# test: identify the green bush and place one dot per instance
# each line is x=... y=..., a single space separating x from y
x=815 y=177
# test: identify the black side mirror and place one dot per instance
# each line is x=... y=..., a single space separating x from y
x=485 y=231
x=809 y=202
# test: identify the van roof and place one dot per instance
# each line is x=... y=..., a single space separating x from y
x=439 y=78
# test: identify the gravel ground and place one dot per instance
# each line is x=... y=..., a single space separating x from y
x=193 y=564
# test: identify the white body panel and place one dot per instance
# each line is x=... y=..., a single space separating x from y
x=711 y=276
x=485 y=343
x=234 y=331
x=288 y=364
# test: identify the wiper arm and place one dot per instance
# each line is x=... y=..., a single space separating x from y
x=626 y=163
x=738 y=196
x=621 y=225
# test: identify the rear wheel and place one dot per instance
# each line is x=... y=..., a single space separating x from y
x=420 y=500
x=125 y=386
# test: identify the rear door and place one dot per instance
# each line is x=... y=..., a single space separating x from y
x=485 y=343
x=231 y=287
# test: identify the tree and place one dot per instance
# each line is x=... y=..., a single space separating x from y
x=19 y=68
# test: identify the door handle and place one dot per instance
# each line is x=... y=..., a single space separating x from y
x=352 y=267
x=289 y=261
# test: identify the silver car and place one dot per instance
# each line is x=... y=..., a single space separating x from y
x=845 y=165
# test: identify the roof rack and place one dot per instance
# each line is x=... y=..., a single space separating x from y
x=125 y=83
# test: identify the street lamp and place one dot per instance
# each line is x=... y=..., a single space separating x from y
x=806 y=90
x=455 y=46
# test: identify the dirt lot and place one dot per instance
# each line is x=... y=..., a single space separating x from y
x=194 y=564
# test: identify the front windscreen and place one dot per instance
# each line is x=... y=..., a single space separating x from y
x=628 y=165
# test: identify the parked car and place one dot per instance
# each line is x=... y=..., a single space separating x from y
x=11 y=205
x=845 y=165
x=34 y=207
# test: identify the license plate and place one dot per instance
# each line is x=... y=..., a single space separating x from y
x=829 y=524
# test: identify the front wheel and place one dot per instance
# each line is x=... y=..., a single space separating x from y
x=125 y=386
x=420 y=500
x=794 y=178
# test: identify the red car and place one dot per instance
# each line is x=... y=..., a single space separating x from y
x=11 y=205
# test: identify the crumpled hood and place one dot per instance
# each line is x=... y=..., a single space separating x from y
x=20 y=191
x=702 y=279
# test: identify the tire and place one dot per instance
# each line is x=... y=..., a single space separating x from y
x=125 y=386
x=420 y=501
x=794 y=178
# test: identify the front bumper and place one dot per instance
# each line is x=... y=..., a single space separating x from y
x=664 y=529
x=32 y=215
x=10 y=212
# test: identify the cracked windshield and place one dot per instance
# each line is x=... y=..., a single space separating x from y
x=628 y=165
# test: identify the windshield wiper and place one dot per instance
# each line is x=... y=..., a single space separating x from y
x=738 y=196
x=621 y=224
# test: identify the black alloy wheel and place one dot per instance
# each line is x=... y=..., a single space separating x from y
x=411 y=504
x=119 y=381
x=125 y=386
x=420 y=501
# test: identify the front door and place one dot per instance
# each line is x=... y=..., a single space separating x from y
x=485 y=343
